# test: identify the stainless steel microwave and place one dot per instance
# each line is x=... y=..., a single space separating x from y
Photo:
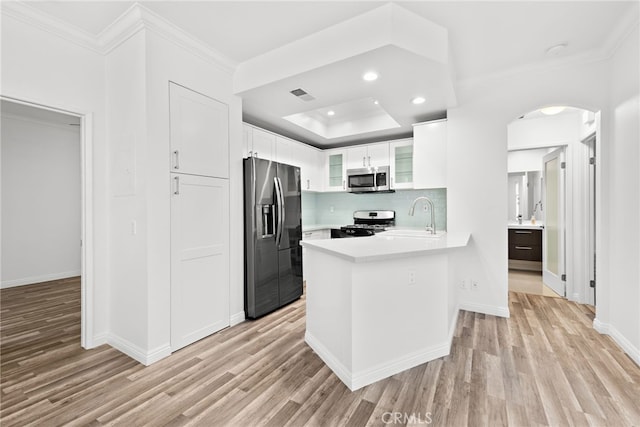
x=369 y=180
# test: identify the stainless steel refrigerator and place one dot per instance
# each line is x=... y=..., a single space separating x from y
x=273 y=229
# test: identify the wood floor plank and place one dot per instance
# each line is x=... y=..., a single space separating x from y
x=543 y=366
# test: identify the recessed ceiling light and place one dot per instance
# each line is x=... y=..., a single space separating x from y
x=550 y=111
x=331 y=113
x=370 y=76
x=418 y=100
x=556 y=50
x=376 y=102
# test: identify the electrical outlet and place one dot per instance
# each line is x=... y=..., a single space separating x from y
x=412 y=277
x=474 y=285
x=463 y=284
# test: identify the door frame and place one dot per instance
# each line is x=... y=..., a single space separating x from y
x=86 y=214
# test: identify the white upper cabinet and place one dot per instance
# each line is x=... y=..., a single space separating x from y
x=199 y=133
x=313 y=170
x=357 y=157
x=263 y=144
x=378 y=154
x=287 y=152
x=370 y=155
x=267 y=145
x=335 y=169
x=401 y=165
x=430 y=154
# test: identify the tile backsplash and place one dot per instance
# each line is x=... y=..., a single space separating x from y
x=337 y=208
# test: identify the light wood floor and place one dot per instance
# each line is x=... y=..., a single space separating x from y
x=543 y=366
x=529 y=282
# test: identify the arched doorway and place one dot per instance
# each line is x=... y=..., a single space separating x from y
x=552 y=202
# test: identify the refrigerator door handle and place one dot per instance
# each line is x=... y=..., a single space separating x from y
x=280 y=203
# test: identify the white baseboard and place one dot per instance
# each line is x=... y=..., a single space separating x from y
x=452 y=327
x=97 y=340
x=334 y=364
x=485 y=309
x=377 y=373
x=357 y=380
x=621 y=340
x=237 y=318
x=39 y=279
x=137 y=353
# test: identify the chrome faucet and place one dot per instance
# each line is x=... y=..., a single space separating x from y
x=432 y=226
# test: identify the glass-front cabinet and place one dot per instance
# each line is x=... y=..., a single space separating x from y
x=335 y=161
x=401 y=166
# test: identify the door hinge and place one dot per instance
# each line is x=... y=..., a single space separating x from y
x=592 y=283
x=563 y=165
x=592 y=160
x=563 y=277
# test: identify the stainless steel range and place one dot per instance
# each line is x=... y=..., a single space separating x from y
x=366 y=223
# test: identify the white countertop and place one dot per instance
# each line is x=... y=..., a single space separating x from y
x=526 y=225
x=315 y=227
x=386 y=246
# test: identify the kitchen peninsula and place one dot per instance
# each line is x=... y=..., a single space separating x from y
x=382 y=304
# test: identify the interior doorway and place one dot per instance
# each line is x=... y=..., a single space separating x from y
x=557 y=147
x=45 y=199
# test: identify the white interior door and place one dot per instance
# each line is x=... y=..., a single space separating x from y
x=553 y=252
x=199 y=258
x=199 y=133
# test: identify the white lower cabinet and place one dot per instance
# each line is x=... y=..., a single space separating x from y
x=199 y=257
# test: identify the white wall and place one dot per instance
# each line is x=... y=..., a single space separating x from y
x=126 y=130
x=546 y=131
x=40 y=201
x=477 y=147
x=525 y=160
x=618 y=290
x=45 y=69
x=138 y=75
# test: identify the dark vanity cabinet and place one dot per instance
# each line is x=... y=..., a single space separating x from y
x=525 y=249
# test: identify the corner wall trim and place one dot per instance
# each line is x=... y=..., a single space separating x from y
x=621 y=340
x=237 y=318
x=137 y=353
x=485 y=309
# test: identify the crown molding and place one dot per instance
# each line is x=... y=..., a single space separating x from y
x=29 y=15
x=138 y=17
x=590 y=56
x=133 y=20
x=621 y=31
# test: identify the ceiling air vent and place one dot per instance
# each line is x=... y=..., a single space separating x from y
x=300 y=93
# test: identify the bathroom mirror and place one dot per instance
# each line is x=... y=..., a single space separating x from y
x=525 y=195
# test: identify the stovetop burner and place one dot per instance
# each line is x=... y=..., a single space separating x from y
x=374 y=227
x=367 y=223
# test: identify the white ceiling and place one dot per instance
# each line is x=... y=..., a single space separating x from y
x=485 y=38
